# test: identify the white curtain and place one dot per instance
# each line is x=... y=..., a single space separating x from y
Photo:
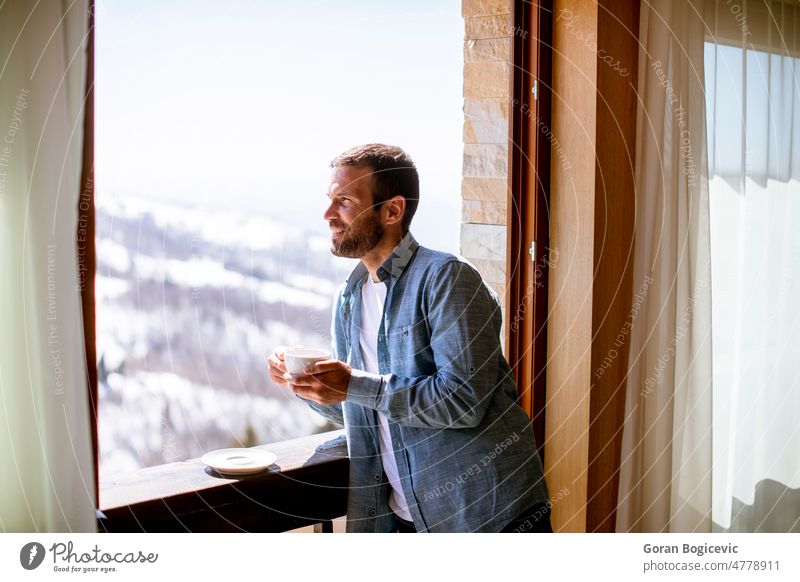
x=46 y=467
x=665 y=473
x=753 y=102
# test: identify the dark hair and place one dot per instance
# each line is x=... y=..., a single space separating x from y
x=393 y=174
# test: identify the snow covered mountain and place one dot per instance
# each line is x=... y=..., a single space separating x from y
x=189 y=304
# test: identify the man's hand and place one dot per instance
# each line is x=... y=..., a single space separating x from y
x=277 y=367
x=324 y=382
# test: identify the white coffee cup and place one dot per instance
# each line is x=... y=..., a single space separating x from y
x=296 y=359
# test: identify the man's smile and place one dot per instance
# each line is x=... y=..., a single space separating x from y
x=337 y=230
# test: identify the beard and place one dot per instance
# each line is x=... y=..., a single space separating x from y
x=359 y=238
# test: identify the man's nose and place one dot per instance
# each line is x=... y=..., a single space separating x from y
x=329 y=213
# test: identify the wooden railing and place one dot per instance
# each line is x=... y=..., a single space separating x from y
x=307 y=485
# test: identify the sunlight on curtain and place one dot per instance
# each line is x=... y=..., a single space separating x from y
x=752 y=74
x=46 y=469
x=665 y=471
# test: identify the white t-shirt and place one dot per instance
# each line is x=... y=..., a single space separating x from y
x=373 y=297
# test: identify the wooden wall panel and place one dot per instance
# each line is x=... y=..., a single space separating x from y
x=618 y=24
x=594 y=115
x=570 y=301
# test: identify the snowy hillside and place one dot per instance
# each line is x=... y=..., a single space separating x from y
x=189 y=304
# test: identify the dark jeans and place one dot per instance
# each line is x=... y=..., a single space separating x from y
x=534 y=520
x=404 y=526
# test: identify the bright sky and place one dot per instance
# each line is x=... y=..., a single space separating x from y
x=245 y=103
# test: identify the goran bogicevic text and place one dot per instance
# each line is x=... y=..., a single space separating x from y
x=699 y=550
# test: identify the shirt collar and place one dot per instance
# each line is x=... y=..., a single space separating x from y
x=393 y=266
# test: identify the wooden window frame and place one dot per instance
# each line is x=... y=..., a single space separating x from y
x=527 y=221
x=529 y=204
x=87 y=253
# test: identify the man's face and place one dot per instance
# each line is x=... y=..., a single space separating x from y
x=356 y=228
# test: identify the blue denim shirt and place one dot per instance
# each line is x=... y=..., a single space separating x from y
x=464 y=448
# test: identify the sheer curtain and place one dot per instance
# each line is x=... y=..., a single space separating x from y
x=665 y=472
x=753 y=101
x=711 y=440
x=46 y=468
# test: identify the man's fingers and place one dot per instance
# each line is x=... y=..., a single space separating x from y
x=299 y=380
x=279 y=354
x=276 y=367
x=300 y=391
x=313 y=395
x=305 y=392
x=322 y=366
x=277 y=378
x=275 y=361
x=276 y=373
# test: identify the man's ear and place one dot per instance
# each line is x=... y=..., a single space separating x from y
x=393 y=210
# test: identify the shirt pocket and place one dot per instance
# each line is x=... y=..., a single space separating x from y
x=411 y=350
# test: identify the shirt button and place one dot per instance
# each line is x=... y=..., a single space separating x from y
x=377 y=477
x=405 y=332
x=372 y=513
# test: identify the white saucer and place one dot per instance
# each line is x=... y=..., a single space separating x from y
x=239 y=461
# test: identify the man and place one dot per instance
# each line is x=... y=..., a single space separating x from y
x=436 y=439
